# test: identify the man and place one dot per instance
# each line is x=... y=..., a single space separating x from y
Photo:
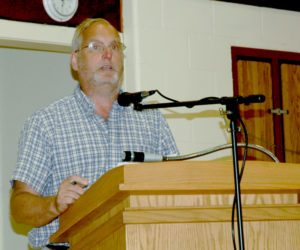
x=65 y=147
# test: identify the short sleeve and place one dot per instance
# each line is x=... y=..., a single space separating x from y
x=34 y=155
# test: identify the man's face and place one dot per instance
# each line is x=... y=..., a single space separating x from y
x=99 y=67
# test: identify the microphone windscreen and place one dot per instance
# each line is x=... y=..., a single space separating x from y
x=133 y=156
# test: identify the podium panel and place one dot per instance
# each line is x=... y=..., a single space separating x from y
x=185 y=205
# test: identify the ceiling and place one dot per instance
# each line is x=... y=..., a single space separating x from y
x=293 y=5
x=33 y=11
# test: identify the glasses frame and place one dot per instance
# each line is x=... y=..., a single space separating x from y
x=91 y=46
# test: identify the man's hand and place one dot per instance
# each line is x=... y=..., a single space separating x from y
x=29 y=207
x=69 y=191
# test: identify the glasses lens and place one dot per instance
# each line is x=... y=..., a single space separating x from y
x=99 y=47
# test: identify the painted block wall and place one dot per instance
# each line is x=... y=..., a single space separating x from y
x=184 y=50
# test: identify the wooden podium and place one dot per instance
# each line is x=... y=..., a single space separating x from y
x=185 y=205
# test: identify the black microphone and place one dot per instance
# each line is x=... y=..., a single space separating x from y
x=126 y=98
x=141 y=157
x=240 y=99
x=254 y=99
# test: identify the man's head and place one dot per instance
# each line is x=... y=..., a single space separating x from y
x=97 y=55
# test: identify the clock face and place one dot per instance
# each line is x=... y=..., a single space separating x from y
x=61 y=10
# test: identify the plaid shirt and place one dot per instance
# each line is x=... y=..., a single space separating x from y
x=66 y=138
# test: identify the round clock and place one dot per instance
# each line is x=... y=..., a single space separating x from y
x=61 y=10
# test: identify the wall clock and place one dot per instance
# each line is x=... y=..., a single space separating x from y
x=34 y=11
x=60 y=10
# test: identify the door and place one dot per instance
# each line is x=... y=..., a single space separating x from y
x=273 y=124
x=290 y=78
x=258 y=122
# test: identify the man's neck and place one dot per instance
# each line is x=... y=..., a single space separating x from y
x=103 y=105
x=103 y=98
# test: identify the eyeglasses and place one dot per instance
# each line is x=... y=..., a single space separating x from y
x=99 y=47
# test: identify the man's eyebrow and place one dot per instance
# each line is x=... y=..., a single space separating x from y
x=99 y=41
x=93 y=40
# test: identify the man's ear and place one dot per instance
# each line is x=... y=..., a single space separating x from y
x=74 y=62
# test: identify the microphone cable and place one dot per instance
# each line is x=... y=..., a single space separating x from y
x=168 y=98
x=240 y=178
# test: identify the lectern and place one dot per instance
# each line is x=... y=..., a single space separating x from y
x=185 y=205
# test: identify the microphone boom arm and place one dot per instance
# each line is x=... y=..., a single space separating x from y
x=205 y=101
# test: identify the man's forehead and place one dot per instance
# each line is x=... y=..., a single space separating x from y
x=100 y=29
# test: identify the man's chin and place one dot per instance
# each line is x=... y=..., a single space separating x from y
x=100 y=80
x=107 y=78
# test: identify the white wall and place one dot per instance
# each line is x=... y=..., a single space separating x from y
x=184 y=50
x=1 y=185
x=181 y=47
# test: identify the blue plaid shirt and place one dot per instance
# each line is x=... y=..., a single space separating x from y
x=66 y=138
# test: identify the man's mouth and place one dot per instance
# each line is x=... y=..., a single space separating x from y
x=106 y=67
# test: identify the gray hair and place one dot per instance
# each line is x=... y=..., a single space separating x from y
x=77 y=38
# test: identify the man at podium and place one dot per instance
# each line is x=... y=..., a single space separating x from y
x=65 y=147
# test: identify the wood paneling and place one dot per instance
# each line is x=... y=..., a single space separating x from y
x=213 y=236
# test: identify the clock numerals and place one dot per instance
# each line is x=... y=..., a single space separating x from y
x=61 y=10
x=64 y=7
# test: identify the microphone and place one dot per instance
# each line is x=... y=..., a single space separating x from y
x=240 y=99
x=126 y=98
x=254 y=99
x=141 y=157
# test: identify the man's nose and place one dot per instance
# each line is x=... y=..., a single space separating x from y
x=107 y=53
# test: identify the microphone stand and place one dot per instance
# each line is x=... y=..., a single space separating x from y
x=231 y=104
x=232 y=115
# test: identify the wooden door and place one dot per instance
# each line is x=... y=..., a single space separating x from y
x=276 y=75
x=290 y=78
x=255 y=78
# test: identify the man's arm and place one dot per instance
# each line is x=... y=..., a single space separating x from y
x=29 y=207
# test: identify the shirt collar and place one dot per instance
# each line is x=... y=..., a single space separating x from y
x=86 y=103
